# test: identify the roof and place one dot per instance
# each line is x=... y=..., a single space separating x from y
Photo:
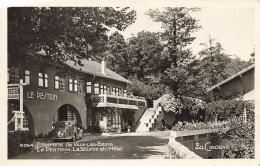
x=89 y=67
x=232 y=77
x=94 y=68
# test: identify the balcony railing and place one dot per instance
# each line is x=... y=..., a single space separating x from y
x=119 y=100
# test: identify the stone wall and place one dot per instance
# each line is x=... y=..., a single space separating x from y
x=195 y=144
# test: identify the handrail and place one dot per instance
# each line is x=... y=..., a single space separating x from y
x=122 y=97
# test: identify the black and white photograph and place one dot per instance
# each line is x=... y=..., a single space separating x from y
x=130 y=82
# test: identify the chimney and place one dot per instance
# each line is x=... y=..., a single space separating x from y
x=103 y=66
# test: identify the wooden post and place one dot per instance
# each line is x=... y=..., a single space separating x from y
x=245 y=116
x=21 y=102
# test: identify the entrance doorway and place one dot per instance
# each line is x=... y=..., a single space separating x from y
x=67 y=112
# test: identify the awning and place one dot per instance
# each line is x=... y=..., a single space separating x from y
x=133 y=107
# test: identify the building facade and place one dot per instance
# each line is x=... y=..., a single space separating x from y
x=240 y=84
x=89 y=94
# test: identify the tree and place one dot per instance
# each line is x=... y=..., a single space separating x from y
x=214 y=66
x=64 y=33
x=252 y=55
x=135 y=59
x=117 y=58
x=213 y=63
x=143 y=51
x=178 y=26
x=148 y=91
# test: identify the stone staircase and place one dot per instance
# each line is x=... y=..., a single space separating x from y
x=148 y=120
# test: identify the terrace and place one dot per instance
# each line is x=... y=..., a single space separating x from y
x=111 y=100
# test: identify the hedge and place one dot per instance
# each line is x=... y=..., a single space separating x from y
x=15 y=141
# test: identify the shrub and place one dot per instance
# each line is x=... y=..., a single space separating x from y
x=228 y=108
x=242 y=137
x=170 y=103
x=15 y=141
x=221 y=125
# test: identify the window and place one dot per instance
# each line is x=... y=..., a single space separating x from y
x=56 y=82
x=46 y=80
x=75 y=85
x=125 y=92
x=116 y=123
x=70 y=85
x=108 y=90
x=14 y=75
x=101 y=89
x=42 y=80
x=59 y=83
x=99 y=116
x=117 y=91
x=88 y=87
x=80 y=86
x=113 y=90
x=71 y=116
x=105 y=89
x=96 y=89
x=120 y=92
x=25 y=121
x=27 y=77
x=62 y=84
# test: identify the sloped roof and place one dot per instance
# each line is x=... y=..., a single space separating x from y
x=89 y=66
x=94 y=68
x=232 y=77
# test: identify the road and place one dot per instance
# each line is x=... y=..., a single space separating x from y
x=124 y=146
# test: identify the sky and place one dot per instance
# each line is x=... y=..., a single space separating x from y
x=232 y=27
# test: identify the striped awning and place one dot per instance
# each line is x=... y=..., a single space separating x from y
x=133 y=107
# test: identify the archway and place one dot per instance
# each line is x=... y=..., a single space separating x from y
x=67 y=112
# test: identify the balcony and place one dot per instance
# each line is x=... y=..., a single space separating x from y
x=126 y=102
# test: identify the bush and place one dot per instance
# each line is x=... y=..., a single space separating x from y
x=228 y=108
x=15 y=141
x=242 y=137
x=170 y=103
x=221 y=125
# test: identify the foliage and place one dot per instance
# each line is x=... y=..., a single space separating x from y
x=16 y=139
x=176 y=105
x=117 y=58
x=242 y=137
x=228 y=108
x=213 y=60
x=136 y=57
x=217 y=64
x=189 y=126
x=148 y=91
x=178 y=26
x=64 y=32
x=169 y=103
x=143 y=51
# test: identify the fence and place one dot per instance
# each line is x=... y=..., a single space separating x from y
x=196 y=144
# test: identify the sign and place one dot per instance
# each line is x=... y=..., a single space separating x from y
x=41 y=96
x=13 y=93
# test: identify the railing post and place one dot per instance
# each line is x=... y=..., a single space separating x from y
x=105 y=98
